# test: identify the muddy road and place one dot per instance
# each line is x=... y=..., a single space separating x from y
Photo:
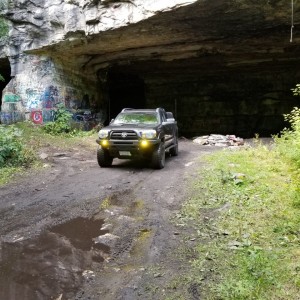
x=75 y=231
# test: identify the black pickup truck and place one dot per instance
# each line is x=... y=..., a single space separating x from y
x=139 y=133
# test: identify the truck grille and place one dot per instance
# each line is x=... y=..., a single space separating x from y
x=123 y=135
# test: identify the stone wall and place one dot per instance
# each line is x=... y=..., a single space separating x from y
x=228 y=101
x=40 y=85
x=41 y=78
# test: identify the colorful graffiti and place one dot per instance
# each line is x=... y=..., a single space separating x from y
x=36 y=97
x=50 y=97
x=33 y=99
x=11 y=117
x=84 y=120
x=11 y=98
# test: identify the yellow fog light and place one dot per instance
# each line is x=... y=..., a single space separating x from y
x=144 y=143
x=104 y=143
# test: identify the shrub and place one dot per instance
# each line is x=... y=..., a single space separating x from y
x=61 y=123
x=12 y=151
x=289 y=142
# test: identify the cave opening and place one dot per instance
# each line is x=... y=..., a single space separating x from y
x=125 y=90
x=5 y=73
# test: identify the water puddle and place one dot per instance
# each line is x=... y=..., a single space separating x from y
x=80 y=232
x=52 y=264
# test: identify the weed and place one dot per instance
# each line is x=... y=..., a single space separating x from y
x=13 y=153
x=19 y=144
x=61 y=123
x=106 y=203
x=250 y=229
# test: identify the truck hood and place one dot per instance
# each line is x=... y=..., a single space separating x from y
x=131 y=126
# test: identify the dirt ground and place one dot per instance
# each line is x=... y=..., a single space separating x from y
x=74 y=230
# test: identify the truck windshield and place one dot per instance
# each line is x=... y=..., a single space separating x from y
x=136 y=118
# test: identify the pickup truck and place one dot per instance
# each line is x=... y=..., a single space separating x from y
x=138 y=134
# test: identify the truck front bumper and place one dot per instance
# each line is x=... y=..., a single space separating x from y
x=141 y=148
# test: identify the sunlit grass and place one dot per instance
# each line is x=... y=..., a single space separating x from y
x=246 y=213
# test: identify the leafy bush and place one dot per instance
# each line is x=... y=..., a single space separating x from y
x=3 y=28
x=288 y=144
x=61 y=123
x=12 y=151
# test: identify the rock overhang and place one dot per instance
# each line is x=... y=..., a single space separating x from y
x=233 y=34
x=197 y=46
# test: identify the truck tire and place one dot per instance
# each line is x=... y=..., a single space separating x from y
x=103 y=158
x=159 y=157
x=174 y=150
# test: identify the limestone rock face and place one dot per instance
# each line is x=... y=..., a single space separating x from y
x=222 y=66
x=41 y=23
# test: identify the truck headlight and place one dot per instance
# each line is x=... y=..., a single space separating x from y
x=144 y=143
x=148 y=134
x=103 y=133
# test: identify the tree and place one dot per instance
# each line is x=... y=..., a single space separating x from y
x=3 y=24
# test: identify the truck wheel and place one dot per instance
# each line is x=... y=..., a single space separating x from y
x=159 y=157
x=103 y=158
x=174 y=150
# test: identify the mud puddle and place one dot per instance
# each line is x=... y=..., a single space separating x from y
x=53 y=265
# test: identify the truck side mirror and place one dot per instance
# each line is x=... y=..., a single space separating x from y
x=170 y=120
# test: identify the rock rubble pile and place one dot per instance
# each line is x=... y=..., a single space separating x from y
x=219 y=140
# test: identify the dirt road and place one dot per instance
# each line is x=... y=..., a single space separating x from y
x=76 y=231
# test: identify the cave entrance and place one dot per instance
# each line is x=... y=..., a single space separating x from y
x=125 y=90
x=5 y=72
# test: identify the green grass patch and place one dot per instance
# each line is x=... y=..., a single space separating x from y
x=21 y=144
x=245 y=211
x=37 y=138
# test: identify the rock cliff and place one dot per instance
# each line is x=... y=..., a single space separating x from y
x=228 y=65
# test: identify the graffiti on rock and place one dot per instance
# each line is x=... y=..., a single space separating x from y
x=72 y=100
x=11 y=117
x=33 y=99
x=50 y=97
x=38 y=100
x=11 y=98
x=48 y=115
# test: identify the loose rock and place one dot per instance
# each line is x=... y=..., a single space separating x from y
x=219 y=140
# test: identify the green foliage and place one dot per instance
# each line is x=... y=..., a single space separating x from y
x=3 y=27
x=12 y=151
x=3 y=24
x=61 y=123
x=288 y=145
x=30 y=139
x=296 y=90
x=3 y=21
x=248 y=231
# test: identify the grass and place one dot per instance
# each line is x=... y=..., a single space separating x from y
x=35 y=140
x=35 y=137
x=246 y=213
